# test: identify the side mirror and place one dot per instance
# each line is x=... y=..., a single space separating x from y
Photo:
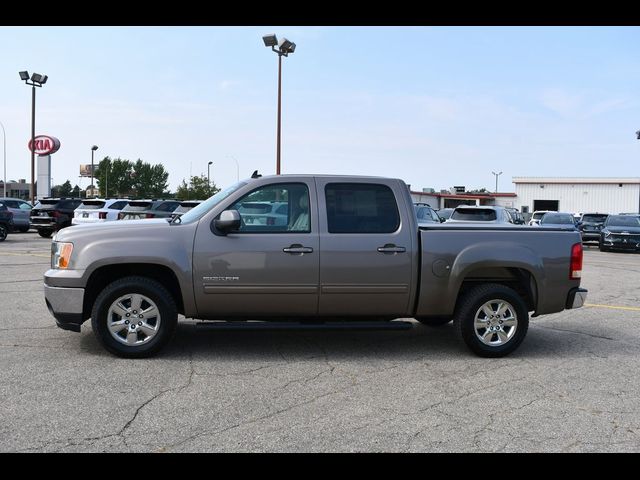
x=229 y=220
x=442 y=220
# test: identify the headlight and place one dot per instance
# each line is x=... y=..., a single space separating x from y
x=61 y=254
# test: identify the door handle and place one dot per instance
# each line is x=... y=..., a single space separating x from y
x=391 y=248
x=297 y=249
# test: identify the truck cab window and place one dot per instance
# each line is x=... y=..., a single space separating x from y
x=361 y=208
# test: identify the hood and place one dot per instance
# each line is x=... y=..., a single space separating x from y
x=116 y=228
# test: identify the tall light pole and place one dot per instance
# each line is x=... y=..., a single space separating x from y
x=93 y=149
x=4 y=138
x=237 y=167
x=497 y=175
x=285 y=47
x=209 y=177
x=637 y=135
x=37 y=80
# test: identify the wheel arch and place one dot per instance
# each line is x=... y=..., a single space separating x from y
x=103 y=276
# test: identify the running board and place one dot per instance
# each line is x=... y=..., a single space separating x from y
x=304 y=326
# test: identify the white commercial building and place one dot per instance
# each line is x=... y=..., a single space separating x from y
x=578 y=194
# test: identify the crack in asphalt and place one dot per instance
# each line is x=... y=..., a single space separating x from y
x=576 y=332
x=252 y=421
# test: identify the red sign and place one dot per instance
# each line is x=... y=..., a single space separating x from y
x=44 y=145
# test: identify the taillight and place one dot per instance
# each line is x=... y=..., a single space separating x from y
x=102 y=215
x=271 y=221
x=149 y=215
x=575 y=272
x=120 y=216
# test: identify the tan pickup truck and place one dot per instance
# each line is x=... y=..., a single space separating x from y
x=338 y=251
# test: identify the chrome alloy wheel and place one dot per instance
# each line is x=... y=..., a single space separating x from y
x=496 y=322
x=133 y=319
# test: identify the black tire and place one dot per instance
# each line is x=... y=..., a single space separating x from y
x=3 y=233
x=470 y=304
x=434 y=321
x=602 y=248
x=45 y=233
x=24 y=229
x=149 y=288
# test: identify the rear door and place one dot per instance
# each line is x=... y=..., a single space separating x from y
x=366 y=242
x=263 y=269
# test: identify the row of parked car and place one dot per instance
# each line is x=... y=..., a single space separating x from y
x=52 y=214
x=611 y=232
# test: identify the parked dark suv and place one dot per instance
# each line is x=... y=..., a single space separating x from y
x=52 y=214
x=590 y=225
x=139 y=209
x=6 y=221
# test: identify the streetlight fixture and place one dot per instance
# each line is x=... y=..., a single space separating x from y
x=638 y=134
x=93 y=149
x=285 y=47
x=497 y=175
x=209 y=177
x=37 y=80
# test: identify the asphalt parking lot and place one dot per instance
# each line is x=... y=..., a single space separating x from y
x=571 y=386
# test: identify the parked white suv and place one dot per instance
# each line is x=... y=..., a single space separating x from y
x=97 y=210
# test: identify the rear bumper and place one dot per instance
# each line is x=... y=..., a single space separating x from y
x=49 y=225
x=590 y=236
x=65 y=304
x=576 y=298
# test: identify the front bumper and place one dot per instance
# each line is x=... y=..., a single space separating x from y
x=65 y=304
x=576 y=298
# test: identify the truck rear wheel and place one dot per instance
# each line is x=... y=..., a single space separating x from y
x=134 y=317
x=45 y=233
x=492 y=320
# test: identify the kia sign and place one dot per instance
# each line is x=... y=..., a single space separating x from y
x=44 y=145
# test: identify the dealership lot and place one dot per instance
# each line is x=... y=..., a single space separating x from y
x=571 y=386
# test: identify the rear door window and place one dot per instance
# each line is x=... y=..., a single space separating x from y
x=361 y=208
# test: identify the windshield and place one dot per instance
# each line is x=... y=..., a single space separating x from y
x=622 y=221
x=197 y=212
x=538 y=215
x=594 y=218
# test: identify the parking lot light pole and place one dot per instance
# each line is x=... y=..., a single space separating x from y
x=4 y=143
x=37 y=80
x=93 y=149
x=209 y=177
x=497 y=175
x=285 y=47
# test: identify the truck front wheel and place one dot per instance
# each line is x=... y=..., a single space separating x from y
x=134 y=317
x=492 y=320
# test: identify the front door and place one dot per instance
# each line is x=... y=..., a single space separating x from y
x=270 y=266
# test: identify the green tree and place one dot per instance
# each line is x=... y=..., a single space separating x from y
x=197 y=189
x=150 y=180
x=65 y=189
x=115 y=177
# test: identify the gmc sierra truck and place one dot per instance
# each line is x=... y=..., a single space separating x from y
x=346 y=250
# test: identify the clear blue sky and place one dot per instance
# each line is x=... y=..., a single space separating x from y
x=435 y=106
